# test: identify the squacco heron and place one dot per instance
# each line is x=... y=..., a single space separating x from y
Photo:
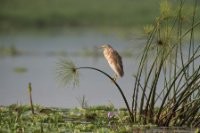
x=114 y=60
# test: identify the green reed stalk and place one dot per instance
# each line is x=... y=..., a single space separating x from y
x=139 y=73
x=172 y=84
x=145 y=87
x=190 y=115
x=191 y=44
x=184 y=96
x=30 y=97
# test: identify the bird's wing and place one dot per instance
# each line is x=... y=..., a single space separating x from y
x=119 y=64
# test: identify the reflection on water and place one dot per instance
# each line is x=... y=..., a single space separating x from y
x=40 y=68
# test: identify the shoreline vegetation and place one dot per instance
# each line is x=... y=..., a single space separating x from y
x=76 y=13
x=12 y=51
x=30 y=14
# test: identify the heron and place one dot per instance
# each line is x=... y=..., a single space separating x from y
x=114 y=60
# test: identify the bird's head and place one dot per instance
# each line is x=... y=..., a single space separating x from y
x=105 y=46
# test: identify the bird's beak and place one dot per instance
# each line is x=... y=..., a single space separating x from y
x=100 y=47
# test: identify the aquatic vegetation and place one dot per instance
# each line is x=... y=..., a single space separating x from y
x=9 y=51
x=18 y=118
x=20 y=69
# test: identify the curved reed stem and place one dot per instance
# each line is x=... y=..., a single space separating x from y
x=116 y=84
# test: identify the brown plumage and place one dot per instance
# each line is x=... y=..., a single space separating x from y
x=114 y=60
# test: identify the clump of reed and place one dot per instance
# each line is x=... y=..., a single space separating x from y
x=166 y=90
x=169 y=82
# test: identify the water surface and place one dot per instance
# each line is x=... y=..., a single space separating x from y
x=41 y=68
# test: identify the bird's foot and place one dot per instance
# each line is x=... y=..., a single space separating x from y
x=114 y=79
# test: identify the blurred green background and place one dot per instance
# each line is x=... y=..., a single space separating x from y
x=77 y=13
